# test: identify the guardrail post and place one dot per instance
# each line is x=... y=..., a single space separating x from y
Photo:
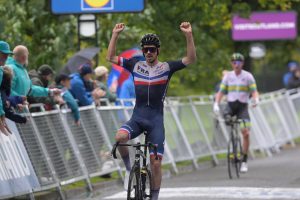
x=285 y=126
x=185 y=140
x=106 y=138
x=44 y=151
x=268 y=129
x=293 y=110
x=171 y=157
x=76 y=150
x=259 y=136
x=198 y=119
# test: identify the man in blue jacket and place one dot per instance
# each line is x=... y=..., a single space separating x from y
x=292 y=67
x=63 y=82
x=82 y=86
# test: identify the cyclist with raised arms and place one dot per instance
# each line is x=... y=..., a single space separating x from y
x=151 y=78
x=238 y=84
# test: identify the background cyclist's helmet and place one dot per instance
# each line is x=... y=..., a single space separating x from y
x=237 y=56
x=150 y=39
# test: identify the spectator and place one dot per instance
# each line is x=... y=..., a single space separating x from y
x=101 y=74
x=63 y=82
x=21 y=84
x=10 y=101
x=292 y=66
x=127 y=91
x=81 y=87
x=294 y=81
x=41 y=78
x=4 y=52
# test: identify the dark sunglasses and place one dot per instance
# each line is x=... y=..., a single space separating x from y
x=149 y=49
x=236 y=62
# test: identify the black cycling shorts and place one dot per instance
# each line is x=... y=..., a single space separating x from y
x=240 y=110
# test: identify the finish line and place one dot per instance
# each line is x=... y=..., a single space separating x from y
x=223 y=192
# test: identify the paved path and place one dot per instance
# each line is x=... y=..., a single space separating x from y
x=277 y=177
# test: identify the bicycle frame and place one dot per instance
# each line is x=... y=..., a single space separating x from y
x=235 y=141
x=141 y=173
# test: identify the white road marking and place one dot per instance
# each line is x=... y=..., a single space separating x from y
x=224 y=192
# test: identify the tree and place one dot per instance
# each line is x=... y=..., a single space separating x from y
x=52 y=39
x=49 y=38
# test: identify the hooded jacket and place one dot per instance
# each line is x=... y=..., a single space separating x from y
x=37 y=80
x=71 y=102
x=21 y=83
x=80 y=90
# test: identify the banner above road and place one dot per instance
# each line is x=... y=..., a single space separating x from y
x=265 y=26
x=95 y=6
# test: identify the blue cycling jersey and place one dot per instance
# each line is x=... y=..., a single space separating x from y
x=151 y=83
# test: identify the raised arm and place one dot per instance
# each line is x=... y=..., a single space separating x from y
x=111 y=52
x=190 y=57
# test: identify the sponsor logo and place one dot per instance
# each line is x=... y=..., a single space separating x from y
x=97 y=5
x=142 y=71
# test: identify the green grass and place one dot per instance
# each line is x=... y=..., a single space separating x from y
x=204 y=159
x=222 y=156
x=297 y=140
x=184 y=163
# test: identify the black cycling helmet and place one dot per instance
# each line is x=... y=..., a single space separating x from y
x=237 y=56
x=150 y=39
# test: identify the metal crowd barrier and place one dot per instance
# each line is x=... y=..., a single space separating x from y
x=62 y=152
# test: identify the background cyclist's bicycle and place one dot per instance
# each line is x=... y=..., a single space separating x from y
x=234 y=149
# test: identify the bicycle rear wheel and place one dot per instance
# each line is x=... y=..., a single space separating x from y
x=134 y=185
x=146 y=183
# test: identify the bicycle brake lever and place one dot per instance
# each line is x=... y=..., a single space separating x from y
x=113 y=152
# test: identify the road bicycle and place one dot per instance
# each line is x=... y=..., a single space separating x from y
x=234 y=149
x=139 y=185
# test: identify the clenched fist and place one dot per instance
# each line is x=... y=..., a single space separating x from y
x=186 y=27
x=119 y=28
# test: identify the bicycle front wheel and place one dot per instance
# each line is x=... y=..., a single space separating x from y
x=230 y=157
x=146 y=183
x=238 y=155
x=134 y=185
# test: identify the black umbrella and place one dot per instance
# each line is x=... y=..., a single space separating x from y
x=81 y=57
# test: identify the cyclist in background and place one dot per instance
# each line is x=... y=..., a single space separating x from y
x=238 y=84
x=151 y=78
